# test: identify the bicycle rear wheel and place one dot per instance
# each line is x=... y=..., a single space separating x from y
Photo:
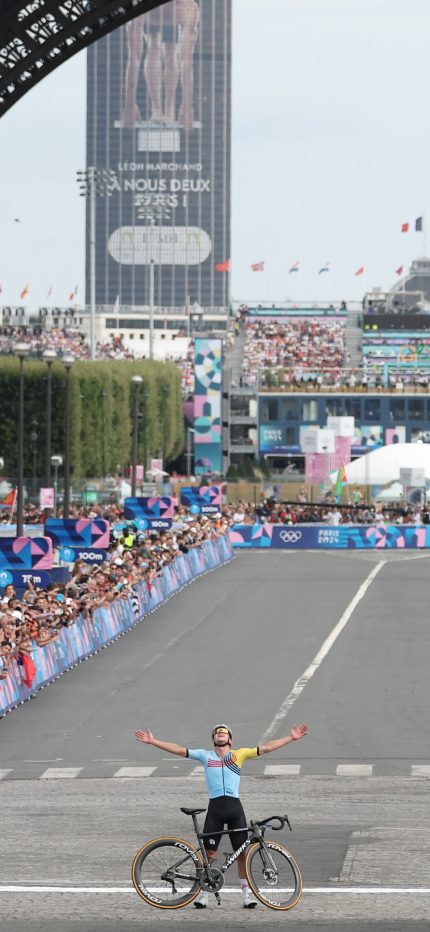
x=273 y=875
x=166 y=873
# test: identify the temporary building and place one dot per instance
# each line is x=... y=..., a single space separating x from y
x=383 y=465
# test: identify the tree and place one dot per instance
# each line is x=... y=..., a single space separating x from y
x=241 y=471
x=231 y=472
x=249 y=472
x=264 y=466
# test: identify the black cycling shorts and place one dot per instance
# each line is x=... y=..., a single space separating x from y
x=222 y=811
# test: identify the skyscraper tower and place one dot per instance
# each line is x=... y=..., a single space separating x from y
x=158 y=116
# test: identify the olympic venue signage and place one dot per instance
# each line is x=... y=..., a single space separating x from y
x=363 y=537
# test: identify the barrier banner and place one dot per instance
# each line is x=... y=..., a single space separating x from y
x=25 y=553
x=78 y=532
x=155 y=507
x=205 y=500
x=304 y=537
x=86 y=637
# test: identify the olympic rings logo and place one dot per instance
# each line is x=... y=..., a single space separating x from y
x=290 y=537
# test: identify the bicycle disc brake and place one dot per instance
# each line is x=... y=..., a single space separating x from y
x=215 y=885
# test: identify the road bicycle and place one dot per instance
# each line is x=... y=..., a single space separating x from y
x=170 y=872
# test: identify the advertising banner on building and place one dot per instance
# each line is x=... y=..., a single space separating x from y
x=343 y=538
x=207 y=407
x=158 y=111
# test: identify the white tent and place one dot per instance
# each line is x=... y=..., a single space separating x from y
x=383 y=464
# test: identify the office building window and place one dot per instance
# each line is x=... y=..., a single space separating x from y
x=416 y=409
x=270 y=409
x=310 y=410
x=372 y=410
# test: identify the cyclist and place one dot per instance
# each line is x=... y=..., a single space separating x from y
x=223 y=771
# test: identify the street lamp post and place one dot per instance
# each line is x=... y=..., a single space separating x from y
x=33 y=437
x=21 y=350
x=49 y=356
x=103 y=396
x=94 y=182
x=151 y=290
x=190 y=430
x=68 y=362
x=56 y=462
x=165 y=391
x=137 y=381
x=145 y=396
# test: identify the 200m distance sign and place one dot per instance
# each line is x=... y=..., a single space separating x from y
x=70 y=554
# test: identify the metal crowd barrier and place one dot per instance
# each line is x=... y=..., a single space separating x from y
x=85 y=638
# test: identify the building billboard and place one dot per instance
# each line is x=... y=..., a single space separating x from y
x=159 y=117
x=207 y=407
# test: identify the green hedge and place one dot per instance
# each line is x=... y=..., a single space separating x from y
x=89 y=409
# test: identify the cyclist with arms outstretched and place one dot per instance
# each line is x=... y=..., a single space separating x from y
x=223 y=768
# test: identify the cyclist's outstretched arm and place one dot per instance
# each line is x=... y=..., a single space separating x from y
x=148 y=738
x=296 y=733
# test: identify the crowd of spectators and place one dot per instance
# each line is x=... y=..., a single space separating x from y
x=309 y=344
x=38 y=616
x=63 y=341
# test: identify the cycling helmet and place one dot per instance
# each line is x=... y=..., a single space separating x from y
x=222 y=726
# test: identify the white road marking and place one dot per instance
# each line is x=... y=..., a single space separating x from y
x=335 y=890
x=300 y=684
x=61 y=773
x=134 y=771
x=354 y=770
x=197 y=772
x=281 y=770
x=4 y=773
x=421 y=770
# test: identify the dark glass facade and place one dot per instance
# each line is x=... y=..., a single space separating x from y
x=158 y=116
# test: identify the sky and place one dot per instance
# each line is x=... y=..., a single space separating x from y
x=330 y=142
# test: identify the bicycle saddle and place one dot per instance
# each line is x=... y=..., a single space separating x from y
x=192 y=811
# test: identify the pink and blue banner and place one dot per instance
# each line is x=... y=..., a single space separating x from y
x=25 y=553
x=207 y=407
x=304 y=537
x=204 y=500
x=87 y=637
x=78 y=532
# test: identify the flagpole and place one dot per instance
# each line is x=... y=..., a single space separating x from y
x=300 y=285
x=329 y=284
x=264 y=283
x=424 y=233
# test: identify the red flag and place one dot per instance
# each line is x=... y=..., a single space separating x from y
x=26 y=290
x=223 y=266
x=405 y=227
x=399 y=271
x=9 y=501
x=28 y=670
x=258 y=267
x=360 y=271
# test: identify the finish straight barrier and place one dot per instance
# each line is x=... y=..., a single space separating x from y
x=345 y=537
x=85 y=638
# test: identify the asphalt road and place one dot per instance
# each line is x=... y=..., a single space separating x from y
x=230 y=648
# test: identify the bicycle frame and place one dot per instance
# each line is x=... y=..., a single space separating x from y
x=256 y=834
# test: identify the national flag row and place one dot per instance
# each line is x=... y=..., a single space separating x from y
x=26 y=291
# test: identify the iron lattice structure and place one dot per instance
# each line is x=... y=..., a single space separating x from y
x=38 y=36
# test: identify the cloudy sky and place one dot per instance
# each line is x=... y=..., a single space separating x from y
x=330 y=154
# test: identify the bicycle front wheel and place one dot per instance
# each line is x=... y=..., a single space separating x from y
x=273 y=875
x=166 y=873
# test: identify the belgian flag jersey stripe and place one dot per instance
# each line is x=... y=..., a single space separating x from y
x=223 y=774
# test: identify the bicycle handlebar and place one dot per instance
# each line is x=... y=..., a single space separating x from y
x=281 y=819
